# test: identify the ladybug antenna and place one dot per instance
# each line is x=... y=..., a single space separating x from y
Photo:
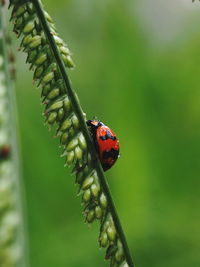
x=95 y=118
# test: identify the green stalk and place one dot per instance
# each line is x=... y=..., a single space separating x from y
x=13 y=246
x=88 y=169
x=77 y=108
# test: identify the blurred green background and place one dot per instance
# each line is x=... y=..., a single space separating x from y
x=137 y=70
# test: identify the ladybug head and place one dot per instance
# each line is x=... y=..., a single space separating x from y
x=94 y=123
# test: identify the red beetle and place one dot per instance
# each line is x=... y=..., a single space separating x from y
x=106 y=143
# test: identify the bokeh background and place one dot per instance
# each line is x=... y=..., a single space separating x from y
x=137 y=70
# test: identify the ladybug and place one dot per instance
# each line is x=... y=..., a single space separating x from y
x=106 y=143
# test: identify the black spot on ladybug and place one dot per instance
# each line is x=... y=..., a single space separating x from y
x=110 y=154
x=108 y=136
x=106 y=166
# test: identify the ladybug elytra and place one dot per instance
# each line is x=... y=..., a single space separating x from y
x=106 y=143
